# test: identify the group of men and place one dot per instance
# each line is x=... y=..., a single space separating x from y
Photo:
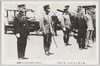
x=48 y=23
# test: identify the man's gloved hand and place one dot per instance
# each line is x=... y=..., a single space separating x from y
x=76 y=34
x=64 y=29
x=76 y=30
x=17 y=35
x=52 y=32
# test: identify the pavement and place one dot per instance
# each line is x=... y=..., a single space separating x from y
x=35 y=51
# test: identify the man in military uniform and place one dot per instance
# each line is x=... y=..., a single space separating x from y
x=67 y=7
x=71 y=18
x=47 y=29
x=21 y=29
x=66 y=25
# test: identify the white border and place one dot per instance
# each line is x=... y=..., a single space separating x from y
x=97 y=24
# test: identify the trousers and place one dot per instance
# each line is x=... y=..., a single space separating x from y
x=66 y=35
x=47 y=41
x=55 y=28
x=21 y=46
x=81 y=40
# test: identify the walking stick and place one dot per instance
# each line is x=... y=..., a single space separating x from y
x=55 y=42
x=53 y=37
x=28 y=38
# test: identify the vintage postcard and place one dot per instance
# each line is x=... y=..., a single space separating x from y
x=49 y=33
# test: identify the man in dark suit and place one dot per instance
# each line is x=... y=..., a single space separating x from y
x=81 y=25
x=21 y=29
x=55 y=20
x=75 y=24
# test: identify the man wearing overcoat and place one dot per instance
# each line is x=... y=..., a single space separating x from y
x=21 y=29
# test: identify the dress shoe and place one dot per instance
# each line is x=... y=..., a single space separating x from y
x=80 y=48
x=56 y=35
x=47 y=53
x=65 y=44
x=89 y=46
x=20 y=58
x=24 y=58
x=85 y=48
x=68 y=44
x=51 y=53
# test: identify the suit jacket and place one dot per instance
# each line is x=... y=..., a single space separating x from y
x=21 y=26
x=80 y=24
x=55 y=19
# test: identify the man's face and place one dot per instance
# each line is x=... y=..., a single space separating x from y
x=22 y=11
x=47 y=10
x=66 y=7
x=54 y=13
x=82 y=12
x=66 y=11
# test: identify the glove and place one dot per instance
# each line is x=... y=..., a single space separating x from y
x=73 y=29
x=52 y=32
x=17 y=35
x=76 y=34
x=76 y=30
x=64 y=29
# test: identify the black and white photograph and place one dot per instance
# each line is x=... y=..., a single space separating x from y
x=49 y=33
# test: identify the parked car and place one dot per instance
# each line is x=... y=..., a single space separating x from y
x=33 y=22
